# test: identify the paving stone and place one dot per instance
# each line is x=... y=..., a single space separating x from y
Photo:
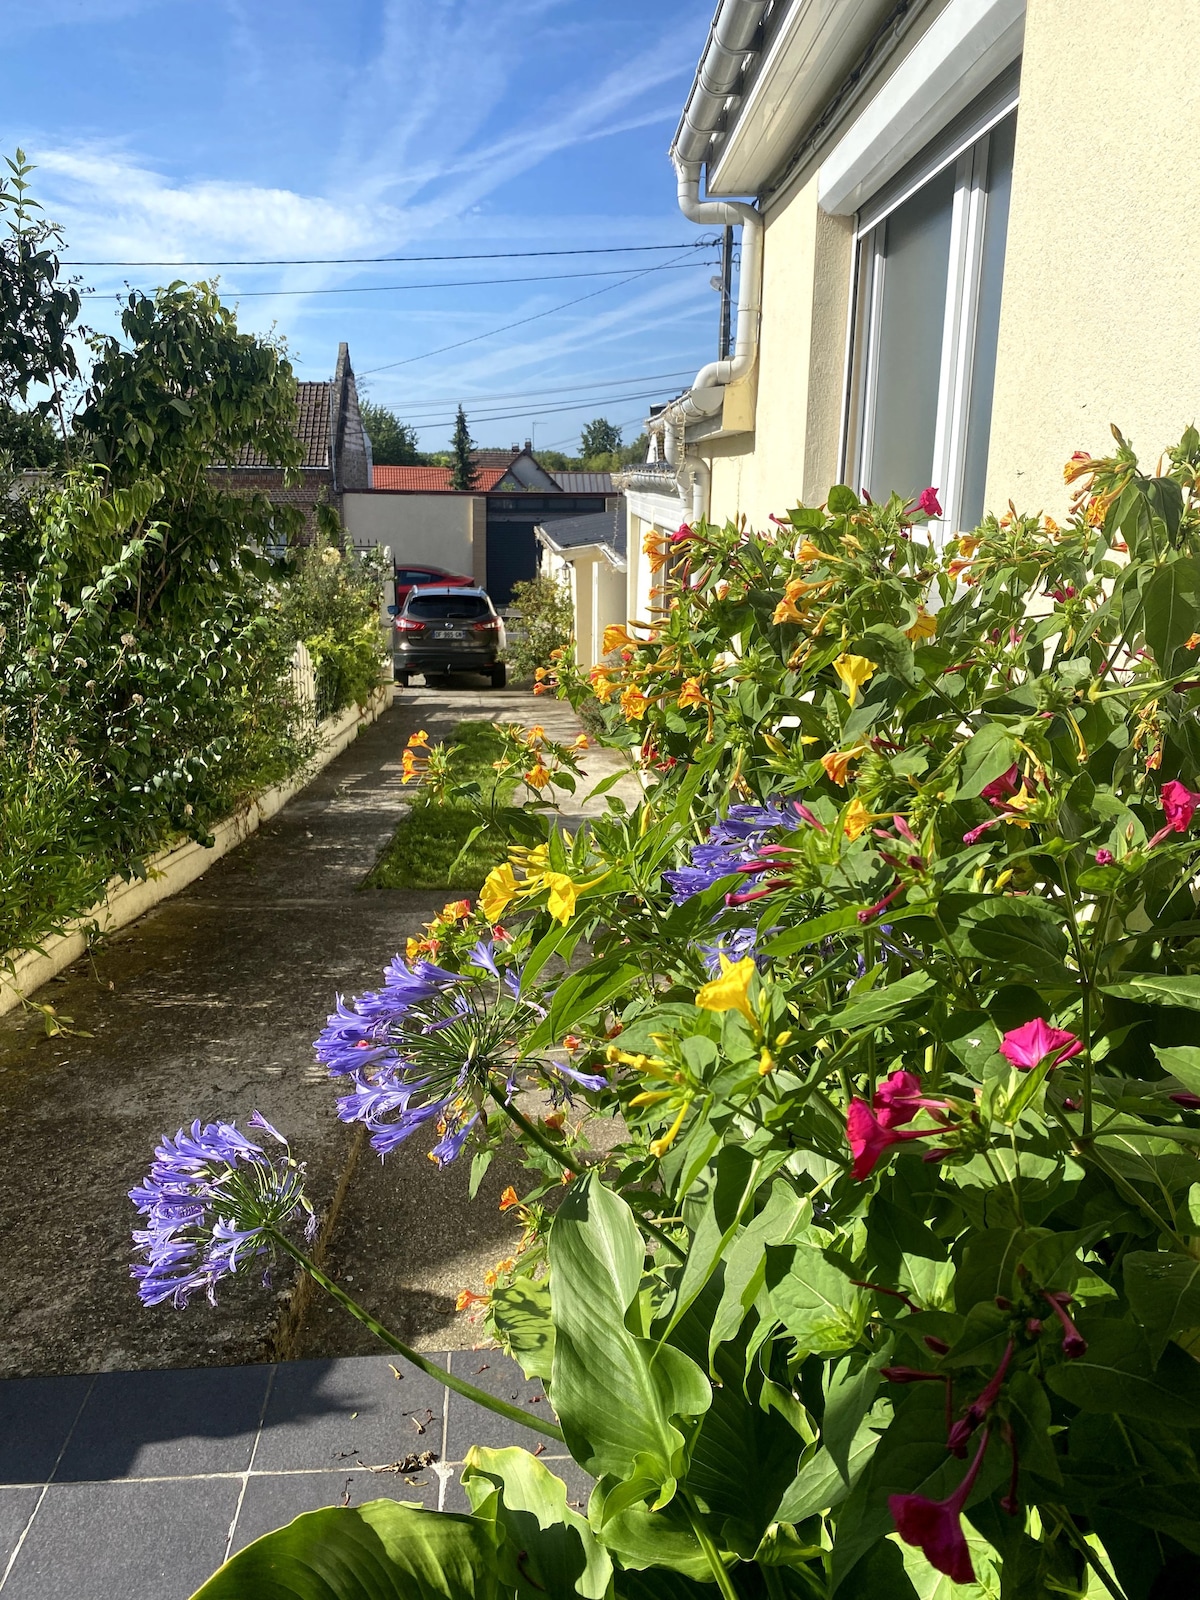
x=323 y=1414
x=273 y=1500
x=36 y=1416
x=471 y=1424
x=16 y=1508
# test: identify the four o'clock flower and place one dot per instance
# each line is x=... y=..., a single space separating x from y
x=1179 y=805
x=898 y=1099
x=854 y=672
x=1030 y=1044
x=870 y=1139
x=935 y=1526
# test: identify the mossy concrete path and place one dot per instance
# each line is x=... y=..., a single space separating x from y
x=207 y=1008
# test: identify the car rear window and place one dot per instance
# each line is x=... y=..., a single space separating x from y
x=467 y=607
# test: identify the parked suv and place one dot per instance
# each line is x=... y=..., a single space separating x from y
x=443 y=629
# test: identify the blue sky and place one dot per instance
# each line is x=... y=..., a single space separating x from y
x=201 y=129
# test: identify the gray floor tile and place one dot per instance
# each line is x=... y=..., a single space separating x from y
x=15 y=1508
x=36 y=1415
x=472 y=1424
x=322 y=1414
x=271 y=1501
x=124 y=1541
x=158 y=1424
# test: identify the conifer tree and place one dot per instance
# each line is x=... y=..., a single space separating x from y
x=462 y=469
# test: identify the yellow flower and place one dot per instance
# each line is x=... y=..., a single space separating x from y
x=582 y=742
x=535 y=734
x=561 y=903
x=731 y=991
x=539 y=674
x=837 y=763
x=808 y=551
x=509 y=1199
x=413 y=948
x=857 y=819
x=603 y=687
x=690 y=694
x=854 y=672
x=499 y=890
x=421 y=738
x=468 y=1298
x=923 y=628
x=787 y=609
x=634 y=704
x=659 y=1147
x=456 y=911
x=968 y=544
x=538 y=776
x=615 y=637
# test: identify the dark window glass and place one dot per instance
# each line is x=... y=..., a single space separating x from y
x=466 y=607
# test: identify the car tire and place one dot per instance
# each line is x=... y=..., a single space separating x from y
x=401 y=678
x=499 y=675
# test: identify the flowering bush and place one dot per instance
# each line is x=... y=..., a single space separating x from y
x=889 y=1286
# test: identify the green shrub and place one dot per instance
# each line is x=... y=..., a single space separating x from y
x=544 y=625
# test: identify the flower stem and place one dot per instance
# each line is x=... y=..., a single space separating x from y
x=712 y=1555
x=431 y=1369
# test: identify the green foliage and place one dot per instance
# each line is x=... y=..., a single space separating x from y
x=599 y=438
x=28 y=440
x=463 y=472
x=331 y=604
x=37 y=310
x=393 y=443
x=768 y=1322
x=546 y=621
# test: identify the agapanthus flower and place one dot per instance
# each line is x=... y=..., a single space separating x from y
x=734 y=946
x=735 y=844
x=426 y=1050
x=1030 y=1044
x=212 y=1201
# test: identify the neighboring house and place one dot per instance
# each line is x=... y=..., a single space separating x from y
x=971 y=248
x=487 y=532
x=588 y=553
x=337 y=452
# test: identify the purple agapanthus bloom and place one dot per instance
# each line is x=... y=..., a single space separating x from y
x=734 y=946
x=212 y=1201
x=426 y=1051
x=734 y=845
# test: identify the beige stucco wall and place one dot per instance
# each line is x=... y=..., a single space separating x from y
x=1100 y=320
x=792 y=454
x=433 y=528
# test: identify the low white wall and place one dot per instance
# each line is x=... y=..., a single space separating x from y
x=174 y=869
x=434 y=528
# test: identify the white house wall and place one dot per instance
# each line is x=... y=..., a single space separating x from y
x=436 y=529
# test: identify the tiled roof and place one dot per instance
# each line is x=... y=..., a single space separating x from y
x=584 y=482
x=312 y=428
x=595 y=527
x=435 y=480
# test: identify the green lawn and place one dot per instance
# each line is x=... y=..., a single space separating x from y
x=428 y=841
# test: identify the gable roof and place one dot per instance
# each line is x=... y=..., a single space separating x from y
x=313 y=402
x=606 y=528
x=434 y=480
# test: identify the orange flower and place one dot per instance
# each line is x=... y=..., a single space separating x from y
x=582 y=742
x=837 y=762
x=1079 y=464
x=615 y=637
x=540 y=688
x=490 y=1278
x=1192 y=642
x=456 y=911
x=555 y=1121
x=957 y=566
x=468 y=1298
x=968 y=544
x=690 y=694
x=537 y=777
x=634 y=704
x=923 y=628
x=571 y=1042
x=509 y=1199
x=421 y=738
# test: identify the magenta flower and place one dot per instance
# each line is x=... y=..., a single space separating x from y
x=1179 y=805
x=1002 y=787
x=1104 y=858
x=1030 y=1044
x=976 y=1412
x=1074 y=1344
x=1189 y=1101
x=870 y=1140
x=927 y=501
x=935 y=1526
x=880 y=905
x=898 y=1099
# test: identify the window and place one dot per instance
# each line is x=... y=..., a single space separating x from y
x=461 y=608
x=926 y=318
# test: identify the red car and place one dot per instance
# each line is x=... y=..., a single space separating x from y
x=415 y=577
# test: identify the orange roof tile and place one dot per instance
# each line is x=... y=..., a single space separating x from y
x=435 y=480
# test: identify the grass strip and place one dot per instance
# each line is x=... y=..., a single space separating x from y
x=428 y=841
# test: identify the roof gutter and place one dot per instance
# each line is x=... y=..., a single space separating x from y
x=730 y=38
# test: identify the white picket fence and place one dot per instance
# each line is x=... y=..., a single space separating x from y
x=304 y=682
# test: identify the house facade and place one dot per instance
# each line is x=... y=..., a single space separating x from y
x=967 y=236
x=588 y=554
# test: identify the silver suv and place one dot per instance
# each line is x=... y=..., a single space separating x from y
x=443 y=629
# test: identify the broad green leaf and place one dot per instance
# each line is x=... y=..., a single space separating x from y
x=619 y=1398
x=1164 y=1294
x=821 y=1483
x=881 y=1005
x=1172 y=608
x=1157 y=988
x=986 y=756
x=815 y=1301
x=1117 y=1374
x=521 y=1313
x=988 y=1265
x=642 y=1539
x=1182 y=1062
x=546 y=1548
x=377 y=1551
x=741 y=1444
x=850 y=1388
x=582 y=993
x=746 y=1259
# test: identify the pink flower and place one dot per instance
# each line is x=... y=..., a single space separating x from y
x=870 y=1140
x=1189 y=1101
x=898 y=1099
x=681 y=533
x=927 y=501
x=880 y=905
x=1002 y=787
x=1179 y=804
x=975 y=833
x=977 y=1411
x=935 y=1526
x=1026 y=1046
x=1104 y=858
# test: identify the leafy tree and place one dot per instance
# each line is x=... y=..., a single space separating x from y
x=37 y=310
x=547 y=615
x=28 y=440
x=462 y=470
x=393 y=443
x=599 y=438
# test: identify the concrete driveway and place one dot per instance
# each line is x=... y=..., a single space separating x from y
x=207 y=1008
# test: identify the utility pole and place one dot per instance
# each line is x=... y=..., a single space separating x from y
x=723 y=340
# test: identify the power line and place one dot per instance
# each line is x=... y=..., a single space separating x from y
x=537 y=411
x=372 y=261
x=393 y=288
x=508 y=326
x=581 y=397
x=436 y=402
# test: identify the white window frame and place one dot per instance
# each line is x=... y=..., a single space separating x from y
x=965 y=145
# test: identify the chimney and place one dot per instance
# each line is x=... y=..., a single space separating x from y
x=529 y=444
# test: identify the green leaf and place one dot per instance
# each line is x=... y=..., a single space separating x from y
x=821 y=1484
x=1158 y=988
x=520 y=1311
x=881 y=1005
x=1182 y=1062
x=842 y=500
x=1164 y=1294
x=1117 y=1374
x=1172 y=602
x=746 y=1260
x=377 y=1551
x=740 y=1444
x=580 y=994
x=815 y=1301
x=986 y=756
x=546 y=1548
x=623 y=1402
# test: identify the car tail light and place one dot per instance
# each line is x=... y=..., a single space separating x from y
x=408 y=625
x=488 y=625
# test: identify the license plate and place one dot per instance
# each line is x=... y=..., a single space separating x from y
x=449 y=633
